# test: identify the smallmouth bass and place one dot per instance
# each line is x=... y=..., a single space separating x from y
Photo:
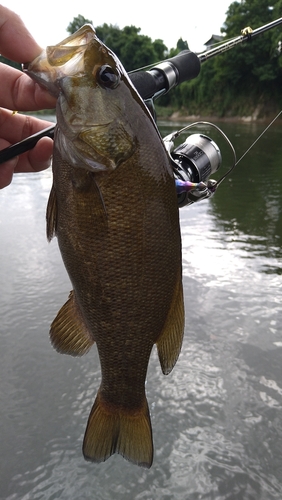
x=113 y=208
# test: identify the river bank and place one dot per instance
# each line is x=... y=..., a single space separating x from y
x=179 y=116
x=167 y=114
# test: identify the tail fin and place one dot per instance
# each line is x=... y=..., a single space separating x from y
x=114 y=430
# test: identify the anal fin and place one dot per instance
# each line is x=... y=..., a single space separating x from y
x=170 y=340
x=51 y=214
x=69 y=333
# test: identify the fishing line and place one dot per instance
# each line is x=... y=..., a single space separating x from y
x=247 y=151
x=258 y=138
x=197 y=158
x=201 y=122
x=143 y=68
x=217 y=44
x=152 y=65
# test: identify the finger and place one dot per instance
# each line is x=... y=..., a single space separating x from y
x=16 y=42
x=19 y=92
x=38 y=158
x=15 y=127
x=7 y=168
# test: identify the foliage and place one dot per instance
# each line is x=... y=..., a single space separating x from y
x=248 y=77
x=77 y=23
x=181 y=45
x=133 y=49
x=238 y=82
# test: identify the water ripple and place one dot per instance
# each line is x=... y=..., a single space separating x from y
x=217 y=418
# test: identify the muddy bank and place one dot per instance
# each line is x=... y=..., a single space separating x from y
x=179 y=116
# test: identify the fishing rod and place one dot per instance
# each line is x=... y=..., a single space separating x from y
x=160 y=79
x=186 y=65
x=198 y=157
x=247 y=34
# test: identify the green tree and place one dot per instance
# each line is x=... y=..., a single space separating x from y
x=110 y=34
x=77 y=23
x=254 y=61
x=251 y=70
x=249 y=75
x=233 y=83
x=181 y=45
x=277 y=36
x=133 y=49
x=160 y=49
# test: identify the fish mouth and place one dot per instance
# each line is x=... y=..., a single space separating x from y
x=62 y=60
x=79 y=55
x=93 y=130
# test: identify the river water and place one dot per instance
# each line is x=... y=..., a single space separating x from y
x=217 y=418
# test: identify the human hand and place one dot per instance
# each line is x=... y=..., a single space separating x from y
x=20 y=93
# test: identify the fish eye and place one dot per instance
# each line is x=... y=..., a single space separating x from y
x=107 y=77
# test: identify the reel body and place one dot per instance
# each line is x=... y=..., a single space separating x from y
x=193 y=162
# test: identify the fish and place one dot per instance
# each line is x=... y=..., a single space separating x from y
x=113 y=208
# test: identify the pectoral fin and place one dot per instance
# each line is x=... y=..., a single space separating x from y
x=170 y=341
x=69 y=333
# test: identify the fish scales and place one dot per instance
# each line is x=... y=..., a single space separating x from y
x=116 y=219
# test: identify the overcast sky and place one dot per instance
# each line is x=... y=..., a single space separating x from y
x=193 y=20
